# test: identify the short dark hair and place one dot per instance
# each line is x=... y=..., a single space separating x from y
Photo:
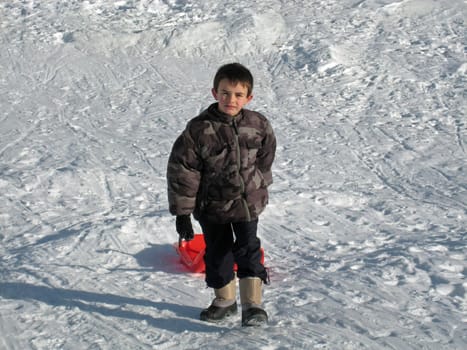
x=235 y=73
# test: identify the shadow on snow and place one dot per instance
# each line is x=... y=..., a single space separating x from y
x=93 y=303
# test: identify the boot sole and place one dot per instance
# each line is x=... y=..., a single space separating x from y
x=232 y=310
x=257 y=319
x=255 y=322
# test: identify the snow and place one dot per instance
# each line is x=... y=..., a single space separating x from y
x=365 y=234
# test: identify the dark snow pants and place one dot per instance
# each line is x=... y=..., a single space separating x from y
x=231 y=243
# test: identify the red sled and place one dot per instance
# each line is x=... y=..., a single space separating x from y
x=192 y=253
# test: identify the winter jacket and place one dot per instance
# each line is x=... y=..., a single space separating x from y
x=220 y=166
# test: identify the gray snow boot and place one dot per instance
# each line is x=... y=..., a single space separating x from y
x=223 y=305
x=250 y=296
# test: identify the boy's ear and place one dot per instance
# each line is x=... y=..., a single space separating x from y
x=214 y=93
x=249 y=98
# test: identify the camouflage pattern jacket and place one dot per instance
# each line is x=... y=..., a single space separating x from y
x=220 y=166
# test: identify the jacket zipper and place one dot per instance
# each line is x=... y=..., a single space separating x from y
x=239 y=164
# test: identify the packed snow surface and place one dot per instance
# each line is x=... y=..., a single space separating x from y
x=365 y=233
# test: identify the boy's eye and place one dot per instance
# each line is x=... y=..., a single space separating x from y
x=237 y=95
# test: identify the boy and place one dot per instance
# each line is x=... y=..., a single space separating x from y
x=219 y=170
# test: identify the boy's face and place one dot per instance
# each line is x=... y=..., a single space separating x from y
x=231 y=96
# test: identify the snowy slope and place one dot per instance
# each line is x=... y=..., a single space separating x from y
x=365 y=234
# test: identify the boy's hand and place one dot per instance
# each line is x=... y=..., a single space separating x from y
x=184 y=227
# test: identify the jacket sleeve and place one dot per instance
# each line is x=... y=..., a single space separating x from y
x=266 y=154
x=183 y=175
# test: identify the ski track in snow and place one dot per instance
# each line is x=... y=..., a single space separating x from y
x=365 y=234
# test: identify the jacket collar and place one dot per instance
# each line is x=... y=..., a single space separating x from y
x=225 y=118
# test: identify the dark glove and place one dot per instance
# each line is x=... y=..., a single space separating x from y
x=184 y=227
